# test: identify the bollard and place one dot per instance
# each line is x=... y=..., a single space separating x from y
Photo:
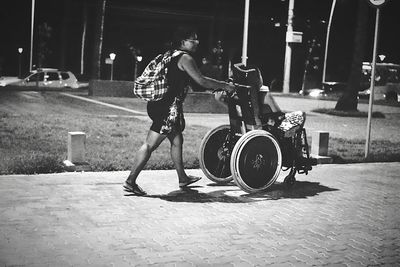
x=319 y=147
x=76 y=147
x=320 y=141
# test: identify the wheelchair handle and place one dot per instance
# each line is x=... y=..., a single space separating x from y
x=241 y=86
x=239 y=66
x=237 y=86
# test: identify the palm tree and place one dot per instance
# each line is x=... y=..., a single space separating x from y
x=349 y=101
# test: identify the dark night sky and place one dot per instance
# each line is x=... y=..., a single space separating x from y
x=147 y=24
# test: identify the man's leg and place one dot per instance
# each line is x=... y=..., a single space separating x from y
x=153 y=140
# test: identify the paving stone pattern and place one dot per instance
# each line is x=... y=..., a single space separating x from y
x=338 y=215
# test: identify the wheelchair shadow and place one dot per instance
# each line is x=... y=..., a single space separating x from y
x=301 y=189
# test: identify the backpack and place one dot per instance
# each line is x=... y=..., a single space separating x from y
x=152 y=85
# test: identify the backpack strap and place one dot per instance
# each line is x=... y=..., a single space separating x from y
x=178 y=52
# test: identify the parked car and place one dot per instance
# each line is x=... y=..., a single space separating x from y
x=387 y=81
x=328 y=89
x=6 y=80
x=48 y=77
x=387 y=84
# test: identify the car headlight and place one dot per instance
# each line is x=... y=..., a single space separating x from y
x=315 y=93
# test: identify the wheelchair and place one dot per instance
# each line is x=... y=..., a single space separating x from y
x=258 y=142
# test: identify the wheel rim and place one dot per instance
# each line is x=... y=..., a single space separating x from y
x=214 y=158
x=257 y=161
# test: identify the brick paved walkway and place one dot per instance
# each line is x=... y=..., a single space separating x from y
x=338 y=215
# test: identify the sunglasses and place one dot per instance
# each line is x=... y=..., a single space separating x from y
x=192 y=40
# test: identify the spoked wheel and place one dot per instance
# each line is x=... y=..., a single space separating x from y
x=215 y=155
x=256 y=161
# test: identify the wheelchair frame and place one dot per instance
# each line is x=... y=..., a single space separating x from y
x=253 y=149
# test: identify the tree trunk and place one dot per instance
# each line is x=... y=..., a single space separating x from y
x=98 y=39
x=349 y=101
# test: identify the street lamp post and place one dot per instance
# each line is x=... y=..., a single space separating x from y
x=138 y=58
x=377 y=4
x=20 y=50
x=32 y=27
x=245 y=31
x=327 y=41
x=288 y=51
x=112 y=57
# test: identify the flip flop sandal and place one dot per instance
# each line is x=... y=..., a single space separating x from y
x=134 y=189
x=191 y=180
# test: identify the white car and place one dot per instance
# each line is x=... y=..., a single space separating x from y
x=51 y=78
x=387 y=81
x=6 y=80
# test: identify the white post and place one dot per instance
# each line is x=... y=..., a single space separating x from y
x=320 y=143
x=372 y=84
x=76 y=147
x=319 y=147
x=245 y=31
x=288 y=52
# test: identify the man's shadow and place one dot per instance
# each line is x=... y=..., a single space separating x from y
x=301 y=189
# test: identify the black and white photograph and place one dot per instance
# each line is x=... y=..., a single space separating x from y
x=199 y=133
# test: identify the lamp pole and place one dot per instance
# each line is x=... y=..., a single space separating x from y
x=327 y=41
x=288 y=51
x=372 y=86
x=377 y=4
x=245 y=31
x=32 y=26
x=20 y=50
x=138 y=58
x=112 y=57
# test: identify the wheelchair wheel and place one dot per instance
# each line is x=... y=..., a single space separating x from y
x=215 y=156
x=256 y=161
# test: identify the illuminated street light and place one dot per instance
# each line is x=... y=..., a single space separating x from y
x=20 y=50
x=137 y=57
x=112 y=57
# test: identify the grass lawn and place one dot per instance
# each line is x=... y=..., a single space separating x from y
x=34 y=128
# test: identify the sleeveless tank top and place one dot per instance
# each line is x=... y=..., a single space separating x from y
x=178 y=80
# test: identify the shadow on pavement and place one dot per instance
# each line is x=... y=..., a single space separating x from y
x=301 y=189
